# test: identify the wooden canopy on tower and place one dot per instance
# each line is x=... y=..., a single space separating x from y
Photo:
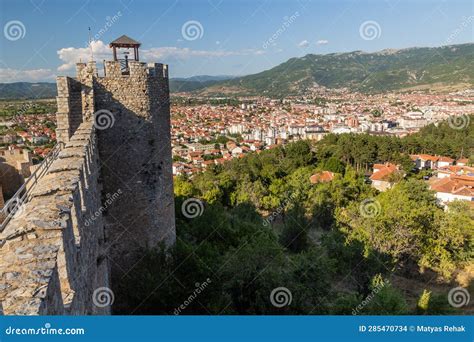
x=127 y=43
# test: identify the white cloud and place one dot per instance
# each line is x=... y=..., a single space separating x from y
x=8 y=75
x=322 y=42
x=168 y=52
x=70 y=56
x=303 y=44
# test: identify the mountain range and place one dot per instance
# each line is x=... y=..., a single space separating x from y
x=44 y=90
x=387 y=70
x=194 y=83
x=27 y=90
x=442 y=68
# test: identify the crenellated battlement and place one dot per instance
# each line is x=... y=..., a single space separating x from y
x=113 y=69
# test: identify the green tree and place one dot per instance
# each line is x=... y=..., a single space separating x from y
x=251 y=272
x=294 y=236
x=334 y=165
x=424 y=301
x=387 y=300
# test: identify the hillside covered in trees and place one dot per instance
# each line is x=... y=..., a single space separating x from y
x=338 y=247
x=375 y=72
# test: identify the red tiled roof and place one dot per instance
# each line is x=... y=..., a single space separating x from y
x=446 y=159
x=456 y=185
x=459 y=168
x=384 y=171
x=428 y=157
x=324 y=176
x=379 y=166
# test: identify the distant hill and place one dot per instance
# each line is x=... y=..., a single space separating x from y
x=195 y=82
x=387 y=70
x=42 y=90
x=27 y=90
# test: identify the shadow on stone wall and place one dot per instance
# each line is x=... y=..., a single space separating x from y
x=133 y=153
x=10 y=179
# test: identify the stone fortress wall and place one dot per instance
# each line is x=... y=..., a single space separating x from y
x=49 y=261
x=107 y=195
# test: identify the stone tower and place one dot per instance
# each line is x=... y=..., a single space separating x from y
x=131 y=111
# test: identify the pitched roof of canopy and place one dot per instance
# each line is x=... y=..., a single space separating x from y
x=124 y=41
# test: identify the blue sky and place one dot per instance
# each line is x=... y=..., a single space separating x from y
x=43 y=38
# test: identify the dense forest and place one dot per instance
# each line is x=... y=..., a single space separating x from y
x=338 y=247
